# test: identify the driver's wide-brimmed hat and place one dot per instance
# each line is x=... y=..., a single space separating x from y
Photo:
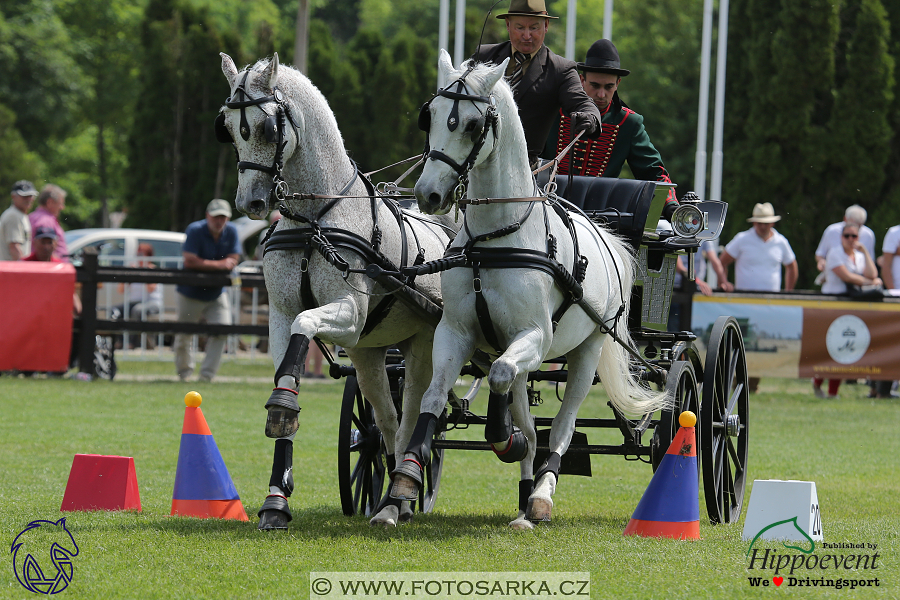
x=602 y=57
x=764 y=213
x=526 y=8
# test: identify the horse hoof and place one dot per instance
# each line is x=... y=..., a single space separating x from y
x=406 y=512
x=404 y=488
x=539 y=509
x=388 y=516
x=272 y=520
x=521 y=525
x=282 y=422
x=274 y=514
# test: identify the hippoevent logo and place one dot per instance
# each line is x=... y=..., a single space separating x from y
x=42 y=556
x=802 y=566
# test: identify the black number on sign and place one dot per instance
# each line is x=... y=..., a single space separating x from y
x=817 y=519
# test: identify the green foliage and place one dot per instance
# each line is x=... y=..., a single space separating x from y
x=176 y=163
x=40 y=79
x=810 y=115
x=16 y=160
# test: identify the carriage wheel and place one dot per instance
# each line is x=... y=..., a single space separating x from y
x=361 y=455
x=723 y=422
x=681 y=383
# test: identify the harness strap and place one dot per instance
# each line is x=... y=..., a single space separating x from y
x=483 y=312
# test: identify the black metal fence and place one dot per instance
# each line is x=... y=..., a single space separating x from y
x=90 y=274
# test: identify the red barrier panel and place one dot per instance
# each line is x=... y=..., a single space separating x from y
x=35 y=315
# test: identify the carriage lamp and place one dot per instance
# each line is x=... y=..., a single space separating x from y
x=688 y=220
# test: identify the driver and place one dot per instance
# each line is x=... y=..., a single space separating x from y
x=624 y=137
x=542 y=82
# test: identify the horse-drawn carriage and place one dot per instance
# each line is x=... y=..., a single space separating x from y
x=714 y=389
x=352 y=268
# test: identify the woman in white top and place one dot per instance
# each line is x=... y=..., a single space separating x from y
x=845 y=265
x=849 y=264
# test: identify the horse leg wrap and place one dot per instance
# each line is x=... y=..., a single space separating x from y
x=413 y=468
x=526 y=486
x=283 y=467
x=282 y=420
x=422 y=436
x=294 y=360
x=551 y=465
x=516 y=449
x=499 y=424
x=274 y=513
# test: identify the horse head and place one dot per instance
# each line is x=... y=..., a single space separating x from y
x=463 y=125
x=259 y=122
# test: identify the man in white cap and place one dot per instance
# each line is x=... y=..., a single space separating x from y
x=15 y=227
x=210 y=245
x=759 y=253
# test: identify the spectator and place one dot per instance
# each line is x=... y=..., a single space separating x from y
x=890 y=268
x=759 y=253
x=542 y=82
x=44 y=250
x=831 y=237
x=849 y=264
x=890 y=274
x=51 y=202
x=15 y=226
x=210 y=245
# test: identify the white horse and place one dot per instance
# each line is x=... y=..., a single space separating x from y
x=473 y=124
x=286 y=137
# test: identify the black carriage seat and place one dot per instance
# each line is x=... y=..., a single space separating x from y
x=624 y=205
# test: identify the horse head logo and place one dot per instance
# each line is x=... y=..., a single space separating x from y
x=40 y=545
x=812 y=544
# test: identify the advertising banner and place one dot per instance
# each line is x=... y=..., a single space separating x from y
x=809 y=336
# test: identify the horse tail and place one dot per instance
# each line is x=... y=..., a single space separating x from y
x=622 y=383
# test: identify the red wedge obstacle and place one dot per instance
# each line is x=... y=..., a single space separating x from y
x=203 y=487
x=99 y=482
x=670 y=507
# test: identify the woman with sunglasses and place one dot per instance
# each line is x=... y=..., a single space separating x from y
x=846 y=265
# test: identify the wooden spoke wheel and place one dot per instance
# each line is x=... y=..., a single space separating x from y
x=361 y=454
x=724 y=424
x=681 y=384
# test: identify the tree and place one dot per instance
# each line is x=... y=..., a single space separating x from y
x=39 y=78
x=104 y=34
x=16 y=160
x=176 y=164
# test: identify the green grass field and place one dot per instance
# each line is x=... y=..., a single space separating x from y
x=849 y=447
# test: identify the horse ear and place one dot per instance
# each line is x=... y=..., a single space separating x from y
x=229 y=70
x=270 y=73
x=445 y=65
x=496 y=73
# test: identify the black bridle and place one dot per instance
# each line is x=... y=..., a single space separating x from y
x=273 y=131
x=486 y=123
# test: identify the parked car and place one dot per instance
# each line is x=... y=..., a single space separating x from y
x=119 y=246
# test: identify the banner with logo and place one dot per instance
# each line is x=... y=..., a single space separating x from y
x=809 y=336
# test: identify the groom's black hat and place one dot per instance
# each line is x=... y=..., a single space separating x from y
x=602 y=57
